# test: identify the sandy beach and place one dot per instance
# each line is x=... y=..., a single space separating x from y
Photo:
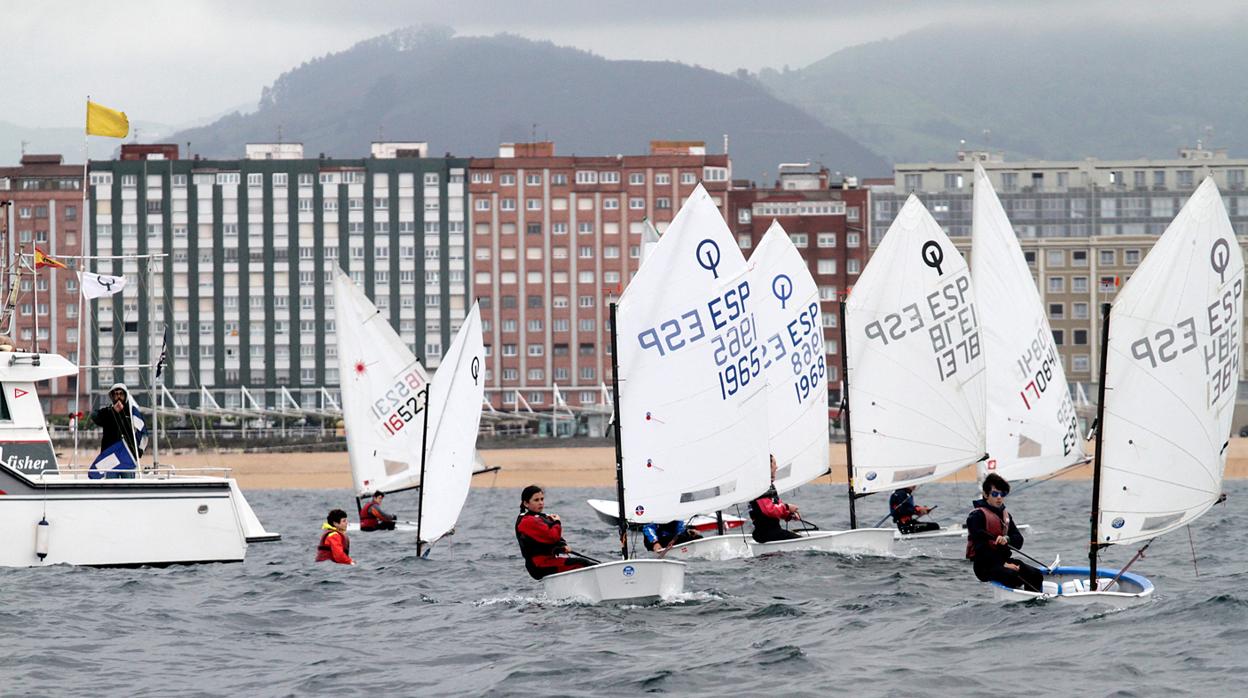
x=552 y=467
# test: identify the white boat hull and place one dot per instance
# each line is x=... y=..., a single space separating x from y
x=606 y=511
x=623 y=580
x=727 y=547
x=399 y=527
x=1129 y=590
x=859 y=541
x=104 y=526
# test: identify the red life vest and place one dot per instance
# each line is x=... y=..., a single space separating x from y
x=368 y=520
x=325 y=552
x=994 y=525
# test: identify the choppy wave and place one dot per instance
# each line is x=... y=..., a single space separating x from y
x=470 y=621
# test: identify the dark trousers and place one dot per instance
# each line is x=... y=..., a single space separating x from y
x=768 y=534
x=1027 y=577
x=918 y=526
x=381 y=526
x=556 y=565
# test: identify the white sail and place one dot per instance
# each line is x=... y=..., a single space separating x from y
x=791 y=330
x=916 y=366
x=381 y=382
x=1032 y=429
x=693 y=408
x=456 y=393
x=1176 y=334
x=649 y=240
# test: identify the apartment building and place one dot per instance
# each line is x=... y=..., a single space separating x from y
x=248 y=249
x=1084 y=225
x=827 y=222
x=41 y=206
x=555 y=238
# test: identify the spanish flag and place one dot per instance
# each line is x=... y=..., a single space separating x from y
x=102 y=121
x=43 y=260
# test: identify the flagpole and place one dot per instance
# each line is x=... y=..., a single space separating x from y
x=85 y=227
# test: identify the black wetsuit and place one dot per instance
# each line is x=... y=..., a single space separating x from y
x=989 y=558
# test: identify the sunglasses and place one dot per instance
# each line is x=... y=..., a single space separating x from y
x=996 y=493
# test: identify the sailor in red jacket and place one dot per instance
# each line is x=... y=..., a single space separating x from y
x=541 y=537
x=334 y=543
x=372 y=518
x=768 y=511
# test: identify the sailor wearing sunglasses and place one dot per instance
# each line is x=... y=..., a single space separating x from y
x=991 y=534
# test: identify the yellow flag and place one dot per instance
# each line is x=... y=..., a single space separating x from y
x=102 y=121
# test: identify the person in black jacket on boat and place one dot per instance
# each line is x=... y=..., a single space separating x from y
x=991 y=533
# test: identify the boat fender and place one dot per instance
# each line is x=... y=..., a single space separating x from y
x=42 y=530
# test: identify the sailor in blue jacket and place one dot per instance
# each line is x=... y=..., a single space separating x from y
x=906 y=513
x=660 y=537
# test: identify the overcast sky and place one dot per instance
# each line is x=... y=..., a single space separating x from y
x=178 y=61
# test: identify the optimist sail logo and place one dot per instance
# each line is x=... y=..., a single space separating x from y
x=640 y=510
x=629 y=570
x=1119 y=522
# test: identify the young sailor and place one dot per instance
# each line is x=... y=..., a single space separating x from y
x=660 y=537
x=990 y=533
x=906 y=513
x=541 y=537
x=768 y=511
x=334 y=543
x=372 y=518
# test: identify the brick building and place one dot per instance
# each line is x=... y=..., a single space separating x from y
x=41 y=205
x=554 y=239
x=826 y=221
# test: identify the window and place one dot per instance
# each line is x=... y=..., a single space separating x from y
x=825 y=240
x=1079 y=284
x=636 y=179
x=688 y=178
x=507 y=180
x=1057 y=284
x=800 y=239
x=744 y=241
x=586 y=177
x=1030 y=257
x=851 y=239
x=507 y=205
x=1057 y=311
x=826 y=266
x=1108 y=257
x=536 y=350
x=609 y=177
x=1056 y=258
x=532 y=204
x=586 y=301
x=1081 y=337
x=482 y=205
x=637 y=203
x=1131 y=257
x=585 y=228
x=1079 y=258
x=1058 y=337
x=662 y=202
x=1079 y=362
x=744 y=215
x=851 y=266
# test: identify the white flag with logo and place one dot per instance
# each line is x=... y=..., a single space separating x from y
x=100 y=285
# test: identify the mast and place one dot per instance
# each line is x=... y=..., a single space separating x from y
x=619 y=455
x=1096 y=467
x=424 y=452
x=849 y=448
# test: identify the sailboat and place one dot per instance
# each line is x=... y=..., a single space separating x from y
x=790 y=328
x=913 y=363
x=403 y=429
x=1032 y=428
x=690 y=407
x=1170 y=363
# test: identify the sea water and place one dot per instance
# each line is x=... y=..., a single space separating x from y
x=470 y=621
